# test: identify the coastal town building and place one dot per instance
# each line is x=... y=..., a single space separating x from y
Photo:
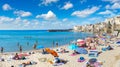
x=108 y=26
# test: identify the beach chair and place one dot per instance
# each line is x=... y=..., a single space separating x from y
x=93 y=53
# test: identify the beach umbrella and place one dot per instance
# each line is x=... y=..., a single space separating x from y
x=72 y=46
x=92 y=60
x=81 y=42
x=118 y=42
x=81 y=50
x=40 y=47
x=47 y=50
x=54 y=53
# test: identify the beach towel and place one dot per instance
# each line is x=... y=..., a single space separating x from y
x=73 y=54
x=58 y=64
x=23 y=54
x=42 y=59
x=2 y=59
x=96 y=64
x=80 y=60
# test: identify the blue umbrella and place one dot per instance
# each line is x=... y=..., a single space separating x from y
x=118 y=42
x=81 y=50
x=40 y=47
x=72 y=47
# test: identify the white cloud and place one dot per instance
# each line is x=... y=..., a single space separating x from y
x=67 y=6
x=83 y=1
x=112 y=1
x=4 y=19
x=106 y=12
x=65 y=19
x=49 y=16
x=46 y=2
x=22 y=13
x=107 y=6
x=116 y=6
x=14 y=23
x=85 y=12
x=25 y=24
x=96 y=19
x=6 y=7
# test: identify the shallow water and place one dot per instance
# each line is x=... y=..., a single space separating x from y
x=10 y=38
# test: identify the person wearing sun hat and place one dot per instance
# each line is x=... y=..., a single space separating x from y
x=81 y=59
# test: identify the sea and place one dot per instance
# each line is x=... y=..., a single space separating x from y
x=11 y=39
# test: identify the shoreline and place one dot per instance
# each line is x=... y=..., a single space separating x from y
x=37 y=50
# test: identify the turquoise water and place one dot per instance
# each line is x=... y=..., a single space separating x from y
x=10 y=38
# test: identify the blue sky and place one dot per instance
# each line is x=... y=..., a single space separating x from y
x=55 y=14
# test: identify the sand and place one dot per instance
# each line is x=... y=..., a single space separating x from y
x=109 y=58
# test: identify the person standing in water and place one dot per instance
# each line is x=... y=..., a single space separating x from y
x=2 y=49
x=56 y=44
x=20 y=48
x=27 y=43
x=34 y=46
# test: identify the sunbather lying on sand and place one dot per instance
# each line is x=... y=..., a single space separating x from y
x=58 y=60
x=24 y=64
x=17 y=57
x=62 y=50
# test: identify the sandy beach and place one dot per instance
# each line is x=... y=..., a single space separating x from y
x=109 y=58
